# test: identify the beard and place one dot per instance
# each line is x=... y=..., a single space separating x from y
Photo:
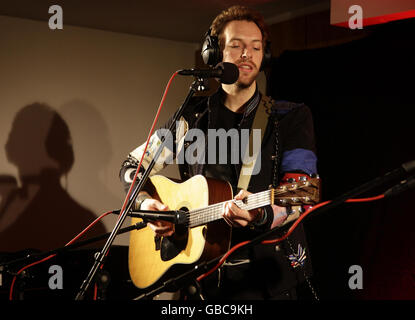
x=246 y=83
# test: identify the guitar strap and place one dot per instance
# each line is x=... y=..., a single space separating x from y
x=260 y=122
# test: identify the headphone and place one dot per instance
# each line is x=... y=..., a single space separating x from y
x=212 y=54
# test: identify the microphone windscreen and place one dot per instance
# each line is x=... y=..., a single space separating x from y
x=230 y=72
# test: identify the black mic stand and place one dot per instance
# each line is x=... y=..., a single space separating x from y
x=198 y=85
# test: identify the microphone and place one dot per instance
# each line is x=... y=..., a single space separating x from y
x=225 y=72
x=176 y=217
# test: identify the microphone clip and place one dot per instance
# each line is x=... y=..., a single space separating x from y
x=200 y=84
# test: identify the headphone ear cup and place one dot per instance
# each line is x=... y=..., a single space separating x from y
x=211 y=53
x=266 y=59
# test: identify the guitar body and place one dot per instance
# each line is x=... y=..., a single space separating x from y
x=150 y=257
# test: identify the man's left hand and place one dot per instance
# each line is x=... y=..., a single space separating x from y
x=237 y=217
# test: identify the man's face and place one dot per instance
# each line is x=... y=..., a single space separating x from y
x=243 y=47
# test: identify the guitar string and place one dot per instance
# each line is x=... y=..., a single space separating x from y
x=210 y=211
x=214 y=207
x=253 y=197
x=214 y=212
x=215 y=216
x=207 y=219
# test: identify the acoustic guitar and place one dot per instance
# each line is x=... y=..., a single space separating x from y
x=205 y=235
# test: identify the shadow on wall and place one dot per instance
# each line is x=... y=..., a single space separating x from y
x=40 y=214
x=90 y=135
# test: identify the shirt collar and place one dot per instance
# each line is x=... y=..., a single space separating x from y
x=249 y=106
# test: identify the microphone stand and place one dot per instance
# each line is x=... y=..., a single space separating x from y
x=198 y=85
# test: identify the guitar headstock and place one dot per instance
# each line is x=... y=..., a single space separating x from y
x=302 y=192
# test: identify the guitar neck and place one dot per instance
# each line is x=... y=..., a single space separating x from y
x=214 y=212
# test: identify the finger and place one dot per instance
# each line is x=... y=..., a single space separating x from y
x=236 y=222
x=158 y=205
x=161 y=228
x=236 y=212
x=242 y=194
x=240 y=223
x=233 y=219
x=156 y=225
x=152 y=226
x=160 y=224
x=152 y=204
x=228 y=213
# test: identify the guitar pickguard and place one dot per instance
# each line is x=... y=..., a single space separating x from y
x=173 y=245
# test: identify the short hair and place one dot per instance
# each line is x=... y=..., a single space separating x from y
x=240 y=13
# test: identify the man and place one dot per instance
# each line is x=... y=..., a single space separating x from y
x=287 y=151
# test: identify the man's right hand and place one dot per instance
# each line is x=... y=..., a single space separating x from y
x=160 y=228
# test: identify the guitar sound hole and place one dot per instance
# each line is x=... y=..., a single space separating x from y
x=173 y=245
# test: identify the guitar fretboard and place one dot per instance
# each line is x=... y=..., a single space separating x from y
x=214 y=212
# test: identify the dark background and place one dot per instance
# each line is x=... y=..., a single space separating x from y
x=361 y=97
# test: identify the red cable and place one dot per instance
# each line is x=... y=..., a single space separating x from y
x=53 y=255
x=142 y=157
x=367 y=199
x=148 y=140
x=294 y=225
